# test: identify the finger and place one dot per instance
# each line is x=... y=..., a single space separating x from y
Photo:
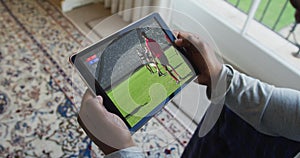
x=183 y=42
x=190 y=47
x=184 y=35
x=100 y=99
x=179 y=42
x=176 y=32
x=192 y=38
x=185 y=39
x=90 y=99
x=94 y=105
x=87 y=95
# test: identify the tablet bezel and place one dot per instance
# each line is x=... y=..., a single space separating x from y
x=96 y=89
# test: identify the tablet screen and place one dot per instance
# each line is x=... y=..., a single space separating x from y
x=138 y=68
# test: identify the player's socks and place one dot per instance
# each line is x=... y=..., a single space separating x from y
x=161 y=74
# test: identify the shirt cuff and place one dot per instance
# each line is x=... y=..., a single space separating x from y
x=223 y=84
x=131 y=152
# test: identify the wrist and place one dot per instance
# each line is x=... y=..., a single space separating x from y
x=210 y=78
x=222 y=84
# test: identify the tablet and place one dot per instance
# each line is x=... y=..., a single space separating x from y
x=136 y=70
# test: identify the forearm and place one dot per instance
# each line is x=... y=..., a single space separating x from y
x=273 y=111
x=248 y=98
x=282 y=114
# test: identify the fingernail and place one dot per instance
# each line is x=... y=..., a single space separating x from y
x=100 y=99
x=176 y=33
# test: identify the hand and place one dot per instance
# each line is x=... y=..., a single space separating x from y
x=106 y=129
x=202 y=56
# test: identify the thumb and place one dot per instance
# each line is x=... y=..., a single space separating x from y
x=100 y=99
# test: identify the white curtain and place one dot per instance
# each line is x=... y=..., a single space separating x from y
x=141 y=7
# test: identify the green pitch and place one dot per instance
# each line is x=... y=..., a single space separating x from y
x=137 y=96
x=271 y=14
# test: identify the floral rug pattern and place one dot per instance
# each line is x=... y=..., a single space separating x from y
x=39 y=99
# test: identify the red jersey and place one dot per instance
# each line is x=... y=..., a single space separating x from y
x=154 y=48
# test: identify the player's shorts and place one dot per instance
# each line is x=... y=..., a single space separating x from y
x=163 y=60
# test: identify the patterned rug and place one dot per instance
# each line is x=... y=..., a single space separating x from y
x=40 y=92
